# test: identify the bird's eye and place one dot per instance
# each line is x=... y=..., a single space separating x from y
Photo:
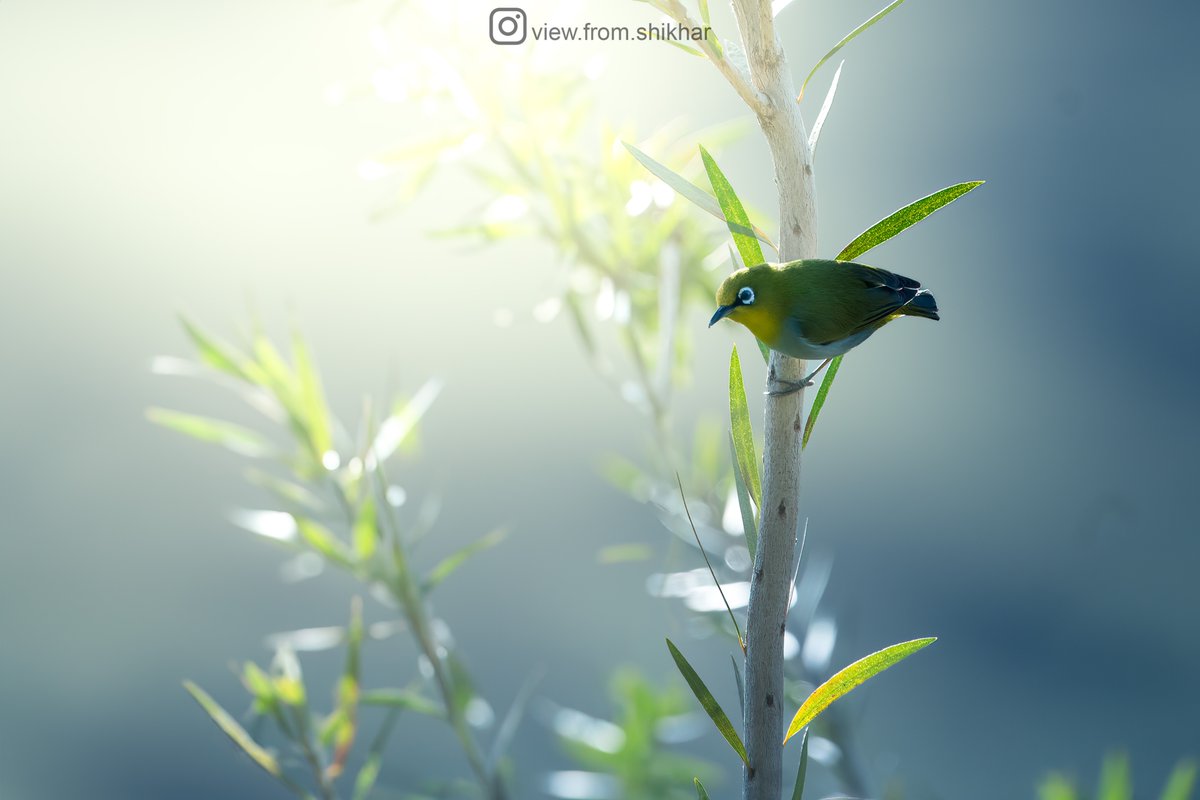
x=746 y=295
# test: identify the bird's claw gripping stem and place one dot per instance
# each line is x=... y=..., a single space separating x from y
x=795 y=386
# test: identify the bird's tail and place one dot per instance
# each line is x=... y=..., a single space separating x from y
x=922 y=305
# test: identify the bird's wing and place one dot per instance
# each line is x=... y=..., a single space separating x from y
x=851 y=298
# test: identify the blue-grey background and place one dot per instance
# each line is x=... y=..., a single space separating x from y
x=1018 y=479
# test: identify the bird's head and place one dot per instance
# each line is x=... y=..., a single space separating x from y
x=747 y=296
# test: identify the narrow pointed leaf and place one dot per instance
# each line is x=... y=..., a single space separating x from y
x=819 y=402
x=406 y=699
x=766 y=351
x=512 y=720
x=701 y=794
x=368 y=773
x=704 y=14
x=323 y=541
x=311 y=397
x=691 y=51
x=217 y=354
x=1115 y=781
x=743 y=435
x=366 y=530
x=233 y=730
x=1183 y=779
x=242 y=441
x=802 y=770
x=906 y=217
x=749 y=526
x=689 y=190
x=452 y=562
x=735 y=214
x=815 y=135
x=741 y=684
x=889 y=8
x=348 y=693
x=850 y=677
x=708 y=702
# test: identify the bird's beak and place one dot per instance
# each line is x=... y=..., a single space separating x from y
x=722 y=312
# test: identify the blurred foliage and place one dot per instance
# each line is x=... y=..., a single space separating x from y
x=1116 y=782
x=630 y=757
x=334 y=504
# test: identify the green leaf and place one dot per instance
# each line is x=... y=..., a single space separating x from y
x=286 y=490
x=743 y=434
x=406 y=699
x=691 y=51
x=452 y=562
x=741 y=684
x=233 y=730
x=708 y=702
x=219 y=355
x=802 y=770
x=701 y=794
x=735 y=215
x=845 y=41
x=1180 y=784
x=242 y=441
x=1115 y=780
x=819 y=402
x=366 y=530
x=906 y=217
x=850 y=677
x=348 y=690
x=704 y=13
x=1056 y=787
x=364 y=782
x=311 y=397
x=766 y=351
x=689 y=190
x=323 y=541
x=749 y=526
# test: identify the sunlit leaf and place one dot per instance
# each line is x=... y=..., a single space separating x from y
x=242 y=441
x=366 y=530
x=701 y=794
x=749 y=526
x=691 y=51
x=311 y=396
x=1181 y=782
x=259 y=684
x=735 y=214
x=906 y=217
x=704 y=15
x=452 y=562
x=850 y=677
x=819 y=402
x=233 y=730
x=406 y=699
x=877 y=234
x=286 y=490
x=399 y=426
x=708 y=702
x=845 y=41
x=815 y=135
x=764 y=350
x=219 y=355
x=691 y=191
x=743 y=434
x=802 y=770
x=322 y=540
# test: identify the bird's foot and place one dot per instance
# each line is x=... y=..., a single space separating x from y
x=791 y=387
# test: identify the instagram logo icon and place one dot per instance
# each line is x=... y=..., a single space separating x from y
x=508 y=25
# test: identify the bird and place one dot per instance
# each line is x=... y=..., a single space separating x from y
x=818 y=308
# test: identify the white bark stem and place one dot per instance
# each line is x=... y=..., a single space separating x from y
x=771 y=584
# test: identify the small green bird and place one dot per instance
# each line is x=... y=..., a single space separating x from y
x=817 y=308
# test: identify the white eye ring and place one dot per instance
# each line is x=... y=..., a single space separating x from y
x=745 y=296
